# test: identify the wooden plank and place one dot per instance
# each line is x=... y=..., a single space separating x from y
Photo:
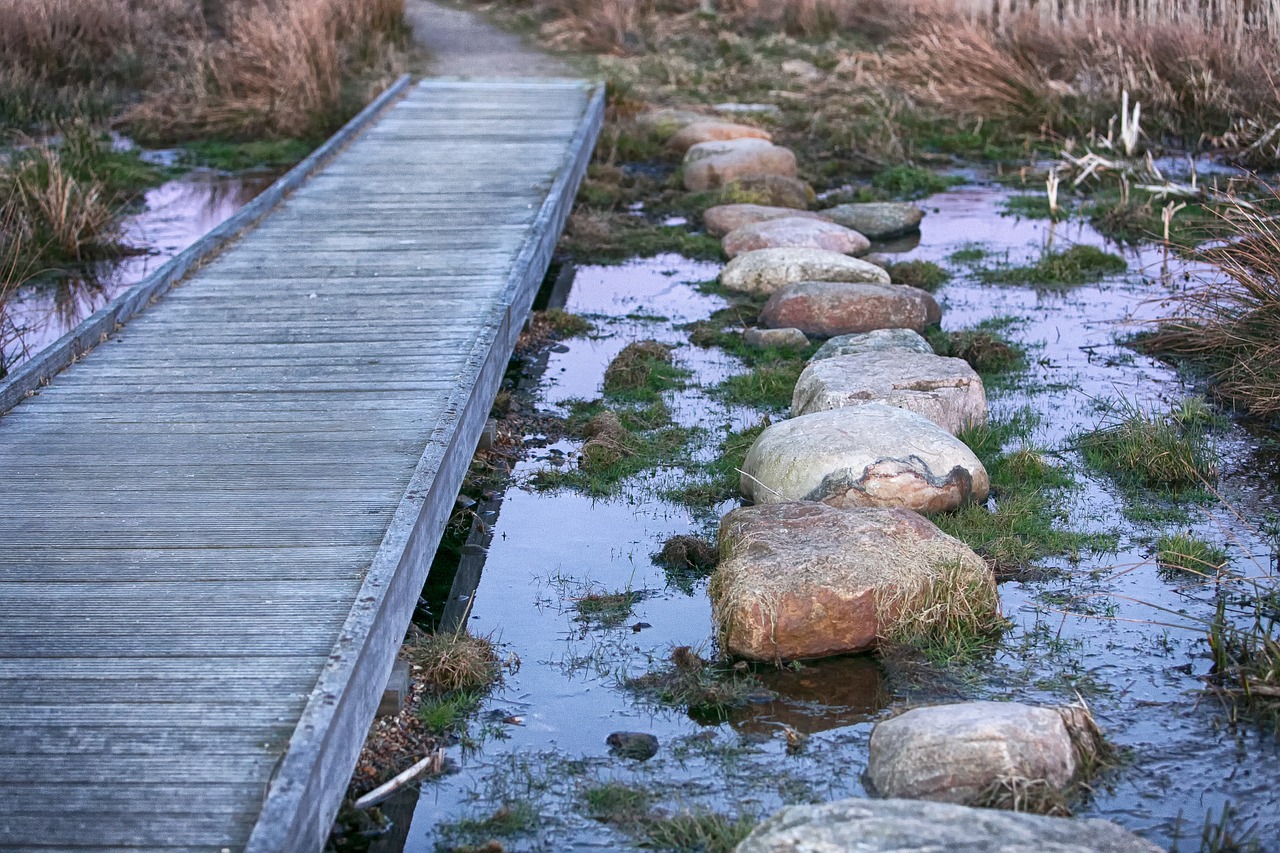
x=221 y=520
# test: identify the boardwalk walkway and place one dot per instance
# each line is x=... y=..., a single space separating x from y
x=215 y=526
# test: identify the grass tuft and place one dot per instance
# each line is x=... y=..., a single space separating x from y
x=1170 y=452
x=453 y=662
x=925 y=275
x=642 y=371
x=766 y=386
x=697 y=831
x=1183 y=554
x=1077 y=265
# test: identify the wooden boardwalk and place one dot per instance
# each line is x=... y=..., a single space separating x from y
x=216 y=524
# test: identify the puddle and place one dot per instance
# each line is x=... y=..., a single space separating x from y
x=175 y=215
x=1142 y=678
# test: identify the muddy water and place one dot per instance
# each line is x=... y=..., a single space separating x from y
x=1109 y=627
x=173 y=216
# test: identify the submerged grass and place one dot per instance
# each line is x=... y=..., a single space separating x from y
x=702 y=688
x=1077 y=265
x=925 y=275
x=607 y=609
x=717 y=481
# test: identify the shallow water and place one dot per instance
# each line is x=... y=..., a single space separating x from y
x=172 y=217
x=1095 y=628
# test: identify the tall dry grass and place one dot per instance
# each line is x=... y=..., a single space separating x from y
x=1200 y=68
x=283 y=68
x=232 y=68
x=1231 y=322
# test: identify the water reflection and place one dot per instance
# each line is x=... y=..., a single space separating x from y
x=174 y=215
x=820 y=696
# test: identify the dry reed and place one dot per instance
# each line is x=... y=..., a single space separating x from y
x=1231 y=321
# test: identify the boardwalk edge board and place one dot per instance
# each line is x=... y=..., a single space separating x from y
x=99 y=326
x=306 y=790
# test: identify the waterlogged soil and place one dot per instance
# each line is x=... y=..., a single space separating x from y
x=170 y=218
x=1108 y=628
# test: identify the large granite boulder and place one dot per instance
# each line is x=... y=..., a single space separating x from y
x=879 y=220
x=767 y=270
x=947 y=391
x=805 y=580
x=877 y=340
x=794 y=232
x=828 y=308
x=723 y=218
x=713 y=131
x=911 y=826
x=956 y=753
x=867 y=455
x=708 y=165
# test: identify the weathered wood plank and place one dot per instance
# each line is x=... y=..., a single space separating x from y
x=220 y=520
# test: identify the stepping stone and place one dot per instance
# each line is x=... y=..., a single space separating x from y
x=805 y=580
x=767 y=270
x=772 y=190
x=911 y=826
x=953 y=753
x=878 y=220
x=828 y=308
x=708 y=165
x=769 y=110
x=713 y=131
x=794 y=232
x=945 y=390
x=878 y=340
x=670 y=121
x=775 y=339
x=867 y=455
x=723 y=218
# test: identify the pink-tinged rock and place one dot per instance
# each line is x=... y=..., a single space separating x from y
x=945 y=390
x=708 y=165
x=805 y=580
x=828 y=308
x=713 y=131
x=794 y=232
x=723 y=218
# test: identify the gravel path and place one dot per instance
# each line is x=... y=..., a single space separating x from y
x=462 y=44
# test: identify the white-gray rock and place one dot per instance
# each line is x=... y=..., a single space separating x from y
x=767 y=270
x=775 y=338
x=868 y=455
x=945 y=390
x=794 y=232
x=953 y=753
x=878 y=219
x=911 y=826
x=879 y=340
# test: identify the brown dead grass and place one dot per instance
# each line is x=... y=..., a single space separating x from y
x=1230 y=324
x=239 y=69
x=1199 y=73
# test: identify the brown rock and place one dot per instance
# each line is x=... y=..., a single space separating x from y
x=713 y=131
x=829 y=308
x=794 y=232
x=723 y=218
x=713 y=164
x=805 y=580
